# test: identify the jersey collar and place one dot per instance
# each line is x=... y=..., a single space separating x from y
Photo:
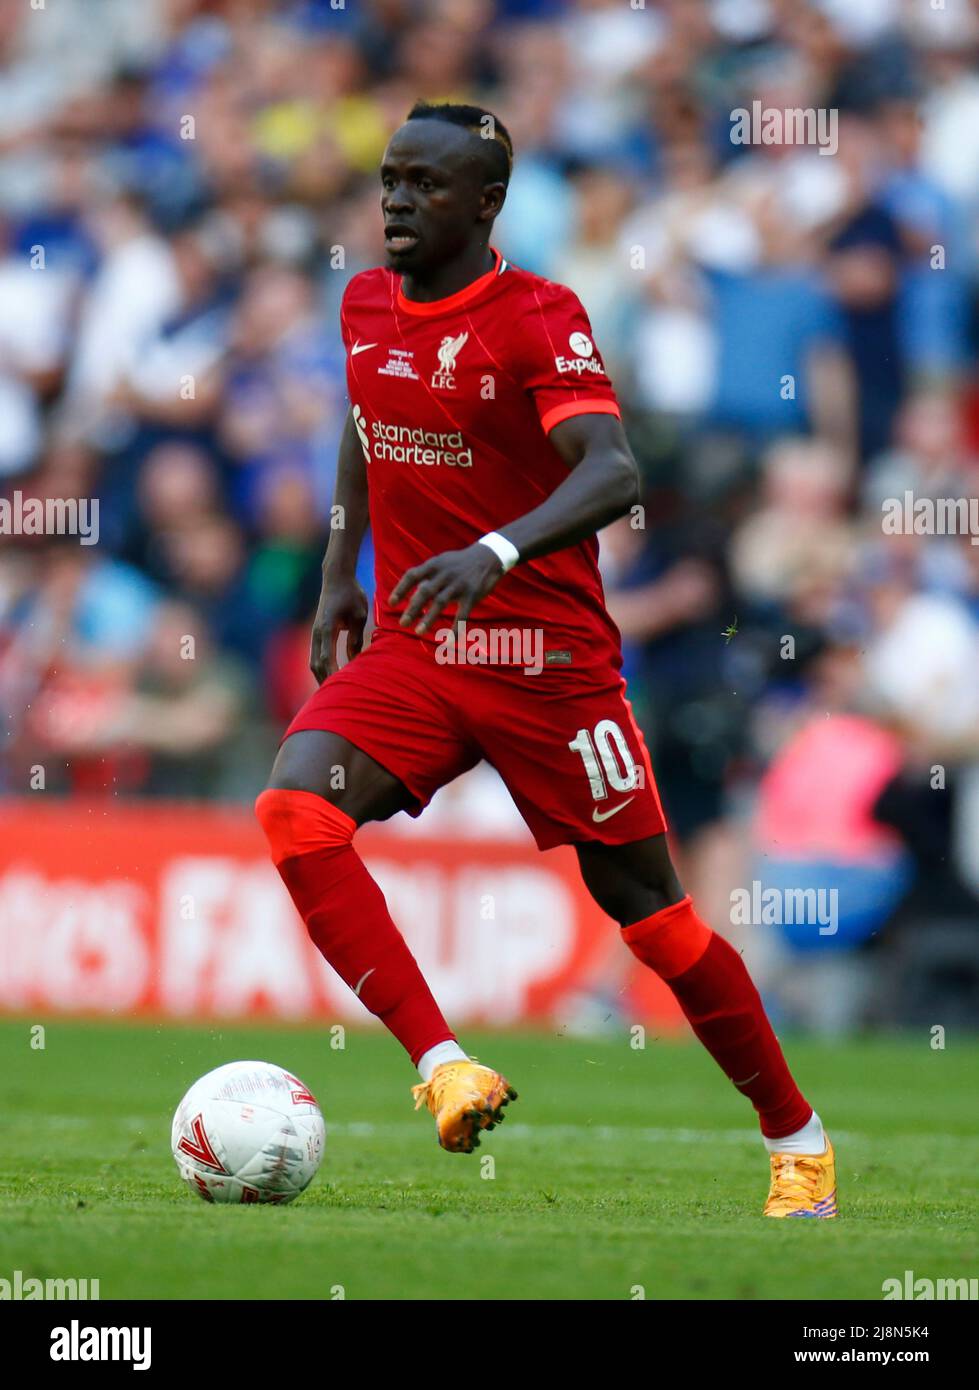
x=453 y=301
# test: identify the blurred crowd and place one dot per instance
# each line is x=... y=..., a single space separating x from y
x=186 y=186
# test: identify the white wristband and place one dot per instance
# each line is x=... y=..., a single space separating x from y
x=505 y=551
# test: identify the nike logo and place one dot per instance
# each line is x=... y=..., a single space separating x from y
x=598 y=815
x=363 y=979
x=360 y=347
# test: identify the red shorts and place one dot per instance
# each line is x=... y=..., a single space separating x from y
x=564 y=741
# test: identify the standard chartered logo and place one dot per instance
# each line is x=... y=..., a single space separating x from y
x=426 y=448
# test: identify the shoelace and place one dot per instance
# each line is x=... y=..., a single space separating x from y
x=428 y=1091
x=794 y=1176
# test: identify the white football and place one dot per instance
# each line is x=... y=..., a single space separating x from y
x=248 y=1132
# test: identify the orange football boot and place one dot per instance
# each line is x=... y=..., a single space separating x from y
x=465 y=1098
x=803 y=1185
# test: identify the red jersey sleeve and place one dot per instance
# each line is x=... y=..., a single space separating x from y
x=366 y=290
x=350 y=294
x=558 y=363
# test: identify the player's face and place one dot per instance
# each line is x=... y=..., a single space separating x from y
x=435 y=200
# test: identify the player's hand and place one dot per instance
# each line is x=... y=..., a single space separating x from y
x=342 y=608
x=462 y=577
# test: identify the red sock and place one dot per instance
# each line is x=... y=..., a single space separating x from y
x=346 y=915
x=715 y=992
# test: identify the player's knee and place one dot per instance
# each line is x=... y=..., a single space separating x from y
x=300 y=822
x=637 y=900
x=671 y=940
x=628 y=897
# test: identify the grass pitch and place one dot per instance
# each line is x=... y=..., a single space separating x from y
x=617 y=1170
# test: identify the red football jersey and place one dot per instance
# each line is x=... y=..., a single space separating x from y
x=453 y=401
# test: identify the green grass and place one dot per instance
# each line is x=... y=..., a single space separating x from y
x=616 y=1168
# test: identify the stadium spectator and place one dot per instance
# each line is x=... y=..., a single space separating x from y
x=186 y=187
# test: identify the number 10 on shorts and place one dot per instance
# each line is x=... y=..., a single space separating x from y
x=607 y=758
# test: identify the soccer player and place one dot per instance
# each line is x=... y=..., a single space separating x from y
x=484 y=447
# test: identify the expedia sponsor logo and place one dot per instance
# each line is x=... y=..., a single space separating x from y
x=579 y=365
x=426 y=448
x=584 y=360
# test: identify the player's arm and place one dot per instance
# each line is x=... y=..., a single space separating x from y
x=343 y=603
x=602 y=484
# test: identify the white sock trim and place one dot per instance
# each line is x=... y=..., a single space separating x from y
x=810 y=1139
x=448 y=1051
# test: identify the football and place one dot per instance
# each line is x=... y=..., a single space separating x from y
x=248 y=1132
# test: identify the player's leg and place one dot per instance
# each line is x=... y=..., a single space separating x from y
x=576 y=764
x=636 y=885
x=329 y=766
x=322 y=787
x=630 y=881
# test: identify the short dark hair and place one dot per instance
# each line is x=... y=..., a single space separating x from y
x=499 y=146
